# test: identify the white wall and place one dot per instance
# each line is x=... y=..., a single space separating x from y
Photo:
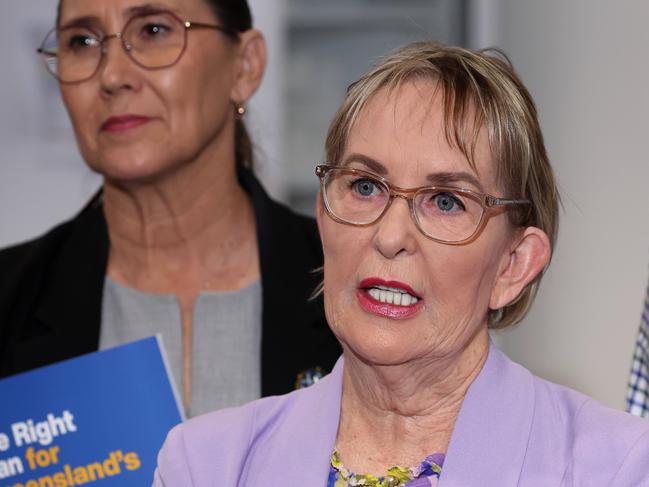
x=585 y=63
x=266 y=114
x=42 y=178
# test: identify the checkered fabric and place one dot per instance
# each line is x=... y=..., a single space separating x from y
x=638 y=393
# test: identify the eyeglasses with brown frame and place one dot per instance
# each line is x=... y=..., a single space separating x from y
x=445 y=214
x=153 y=39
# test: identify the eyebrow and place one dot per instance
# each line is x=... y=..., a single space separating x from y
x=372 y=164
x=442 y=178
x=447 y=178
x=84 y=21
x=146 y=8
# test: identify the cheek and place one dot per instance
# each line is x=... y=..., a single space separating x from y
x=199 y=105
x=461 y=283
x=343 y=249
x=81 y=105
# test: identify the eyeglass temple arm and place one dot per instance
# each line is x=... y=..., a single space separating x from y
x=492 y=201
x=226 y=30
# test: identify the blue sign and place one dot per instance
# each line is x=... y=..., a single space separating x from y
x=99 y=418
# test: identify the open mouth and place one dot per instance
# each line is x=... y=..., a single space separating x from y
x=392 y=295
x=391 y=299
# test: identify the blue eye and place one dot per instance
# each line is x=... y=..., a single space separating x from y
x=448 y=202
x=364 y=187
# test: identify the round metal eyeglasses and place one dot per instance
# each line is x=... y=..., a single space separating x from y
x=444 y=214
x=152 y=40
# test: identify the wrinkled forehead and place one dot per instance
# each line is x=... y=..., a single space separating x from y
x=416 y=126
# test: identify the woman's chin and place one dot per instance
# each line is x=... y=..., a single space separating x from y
x=129 y=163
x=382 y=353
x=130 y=173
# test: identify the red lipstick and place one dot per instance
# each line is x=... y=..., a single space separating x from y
x=387 y=310
x=123 y=123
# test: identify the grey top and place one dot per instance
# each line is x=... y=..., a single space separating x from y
x=226 y=350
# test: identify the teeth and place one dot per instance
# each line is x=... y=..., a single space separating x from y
x=388 y=288
x=391 y=295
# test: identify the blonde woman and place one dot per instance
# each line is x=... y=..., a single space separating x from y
x=438 y=211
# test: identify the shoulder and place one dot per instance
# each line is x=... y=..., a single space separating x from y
x=597 y=438
x=245 y=445
x=239 y=425
x=50 y=288
x=24 y=278
x=33 y=258
x=555 y=435
x=613 y=438
x=25 y=262
x=583 y=414
x=217 y=445
x=196 y=451
x=31 y=249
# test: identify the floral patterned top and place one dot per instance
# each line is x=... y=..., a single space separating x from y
x=425 y=475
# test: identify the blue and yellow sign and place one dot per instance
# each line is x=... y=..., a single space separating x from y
x=100 y=418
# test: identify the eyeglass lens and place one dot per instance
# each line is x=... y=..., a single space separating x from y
x=153 y=41
x=445 y=214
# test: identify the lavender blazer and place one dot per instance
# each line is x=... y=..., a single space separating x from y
x=514 y=429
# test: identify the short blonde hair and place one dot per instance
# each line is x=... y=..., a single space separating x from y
x=479 y=89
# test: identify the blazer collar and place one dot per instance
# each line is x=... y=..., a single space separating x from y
x=278 y=241
x=304 y=437
x=274 y=234
x=493 y=429
x=289 y=253
x=71 y=301
x=491 y=433
x=68 y=305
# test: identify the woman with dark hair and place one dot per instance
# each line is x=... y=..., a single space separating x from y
x=182 y=240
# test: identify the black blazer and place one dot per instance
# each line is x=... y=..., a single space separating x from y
x=51 y=292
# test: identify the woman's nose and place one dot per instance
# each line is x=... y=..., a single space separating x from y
x=396 y=232
x=116 y=70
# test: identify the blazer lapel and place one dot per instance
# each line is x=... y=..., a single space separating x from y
x=487 y=449
x=69 y=311
x=490 y=437
x=295 y=334
x=302 y=439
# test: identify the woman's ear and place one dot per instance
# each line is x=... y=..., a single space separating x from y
x=251 y=66
x=526 y=259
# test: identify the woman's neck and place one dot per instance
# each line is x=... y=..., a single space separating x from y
x=186 y=232
x=399 y=414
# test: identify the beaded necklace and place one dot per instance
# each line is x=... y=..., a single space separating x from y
x=426 y=474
